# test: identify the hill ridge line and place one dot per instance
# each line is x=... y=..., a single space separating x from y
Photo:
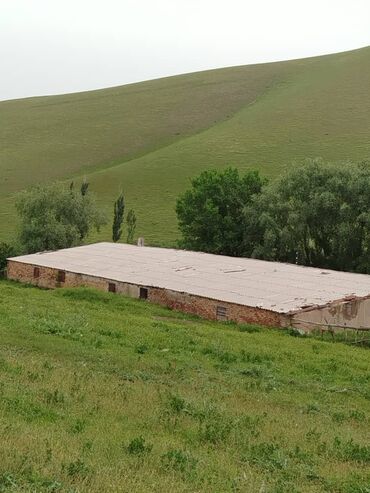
x=157 y=135
x=184 y=74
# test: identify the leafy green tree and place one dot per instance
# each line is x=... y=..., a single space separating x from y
x=212 y=214
x=317 y=214
x=119 y=210
x=54 y=216
x=131 y=225
x=84 y=187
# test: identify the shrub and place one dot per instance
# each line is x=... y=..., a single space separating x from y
x=77 y=468
x=6 y=250
x=178 y=460
x=78 y=426
x=250 y=329
x=215 y=430
x=223 y=356
x=141 y=348
x=54 y=397
x=176 y=404
x=267 y=456
x=351 y=451
x=138 y=446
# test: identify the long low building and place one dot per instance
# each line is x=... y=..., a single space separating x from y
x=212 y=286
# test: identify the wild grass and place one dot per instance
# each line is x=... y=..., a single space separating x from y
x=151 y=138
x=103 y=393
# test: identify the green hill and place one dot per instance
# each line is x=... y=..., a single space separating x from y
x=151 y=138
x=101 y=393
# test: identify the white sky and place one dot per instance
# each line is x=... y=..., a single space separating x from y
x=59 y=46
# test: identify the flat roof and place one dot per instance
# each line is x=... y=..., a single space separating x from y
x=273 y=286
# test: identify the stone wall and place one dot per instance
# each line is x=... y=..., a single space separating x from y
x=204 y=307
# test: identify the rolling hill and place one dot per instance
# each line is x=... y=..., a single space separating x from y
x=150 y=138
x=103 y=393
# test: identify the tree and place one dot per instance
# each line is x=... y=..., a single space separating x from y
x=119 y=210
x=6 y=251
x=319 y=215
x=212 y=214
x=54 y=216
x=131 y=225
x=315 y=214
x=84 y=187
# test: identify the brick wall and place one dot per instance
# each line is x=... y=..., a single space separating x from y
x=207 y=308
x=204 y=307
x=48 y=278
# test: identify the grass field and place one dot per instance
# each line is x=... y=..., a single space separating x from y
x=103 y=393
x=151 y=138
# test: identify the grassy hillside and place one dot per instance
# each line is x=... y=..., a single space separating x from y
x=150 y=138
x=103 y=393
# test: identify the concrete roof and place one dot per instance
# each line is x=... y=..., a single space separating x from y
x=270 y=285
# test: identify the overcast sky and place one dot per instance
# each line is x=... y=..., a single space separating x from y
x=59 y=46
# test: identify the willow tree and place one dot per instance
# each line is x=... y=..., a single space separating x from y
x=317 y=214
x=56 y=216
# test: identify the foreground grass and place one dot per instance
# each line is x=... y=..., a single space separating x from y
x=151 y=138
x=103 y=393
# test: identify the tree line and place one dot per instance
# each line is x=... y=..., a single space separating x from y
x=56 y=216
x=315 y=214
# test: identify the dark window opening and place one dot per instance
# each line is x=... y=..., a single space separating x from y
x=61 y=276
x=111 y=287
x=221 y=313
x=36 y=272
x=143 y=293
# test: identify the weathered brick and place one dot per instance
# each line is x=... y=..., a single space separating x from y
x=201 y=306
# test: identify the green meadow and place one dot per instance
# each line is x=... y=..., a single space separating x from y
x=103 y=393
x=151 y=138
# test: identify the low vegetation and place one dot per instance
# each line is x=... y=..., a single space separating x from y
x=103 y=393
x=6 y=251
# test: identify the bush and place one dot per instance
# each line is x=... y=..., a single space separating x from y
x=77 y=468
x=138 y=446
x=6 y=251
x=351 y=451
x=178 y=460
